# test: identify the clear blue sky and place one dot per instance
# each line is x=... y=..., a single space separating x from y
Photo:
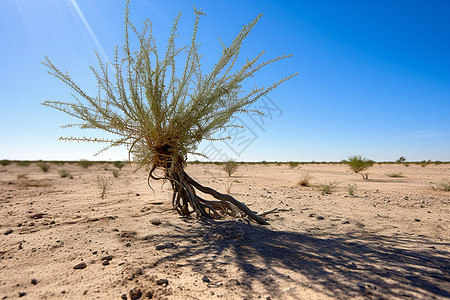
x=374 y=76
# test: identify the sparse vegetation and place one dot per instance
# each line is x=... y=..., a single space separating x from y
x=119 y=165
x=444 y=185
x=351 y=188
x=229 y=185
x=84 y=163
x=22 y=176
x=104 y=184
x=64 y=174
x=395 y=175
x=4 y=162
x=44 y=166
x=230 y=167
x=305 y=180
x=423 y=163
x=115 y=173
x=23 y=163
x=293 y=164
x=359 y=164
x=327 y=188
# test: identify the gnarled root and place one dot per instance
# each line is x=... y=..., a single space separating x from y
x=185 y=196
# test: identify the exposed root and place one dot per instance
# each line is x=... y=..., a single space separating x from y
x=184 y=197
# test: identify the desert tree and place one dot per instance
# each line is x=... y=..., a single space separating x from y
x=161 y=110
x=359 y=164
x=230 y=167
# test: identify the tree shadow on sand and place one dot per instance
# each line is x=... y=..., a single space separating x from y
x=340 y=266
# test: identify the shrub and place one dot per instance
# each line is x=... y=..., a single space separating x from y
x=44 y=166
x=304 y=180
x=115 y=173
x=4 y=162
x=104 y=184
x=351 y=188
x=293 y=164
x=64 y=174
x=23 y=163
x=395 y=175
x=84 y=163
x=230 y=167
x=401 y=160
x=119 y=164
x=423 y=163
x=442 y=186
x=359 y=164
x=327 y=188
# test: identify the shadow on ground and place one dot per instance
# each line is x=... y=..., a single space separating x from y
x=340 y=266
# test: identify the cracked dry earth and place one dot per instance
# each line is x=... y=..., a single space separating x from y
x=390 y=240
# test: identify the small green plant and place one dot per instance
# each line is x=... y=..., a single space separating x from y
x=4 y=162
x=444 y=185
x=104 y=184
x=64 y=174
x=327 y=188
x=44 y=166
x=359 y=164
x=115 y=173
x=22 y=176
x=119 y=165
x=395 y=175
x=84 y=163
x=351 y=188
x=304 y=180
x=230 y=167
x=293 y=164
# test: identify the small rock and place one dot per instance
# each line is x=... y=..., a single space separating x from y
x=9 y=231
x=124 y=297
x=311 y=215
x=361 y=285
x=137 y=194
x=206 y=279
x=52 y=223
x=109 y=257
x=156 y=222
x=94 y=252
x=21 y=294
x=80 y=266
x=135 y=293
x=162 y=282
x=34 y=281
x=417 y=220
x=128 y=245
x=346 y=222
x=166 y=246
x=105 y=262
x=320 y=218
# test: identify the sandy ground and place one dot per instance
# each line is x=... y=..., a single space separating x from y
x=390 y=240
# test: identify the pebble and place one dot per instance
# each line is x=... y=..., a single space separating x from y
x=109 y=257
x=320 y=218
x=162 y=282
x=80 y=266
x=166 y=246
x=417 y=220
x=105 y=262
x=156 y=222
x=34 y=281
x=124 y=297
x=9 y=231
x=21 y=294
x=206 y=279
x=135 y=293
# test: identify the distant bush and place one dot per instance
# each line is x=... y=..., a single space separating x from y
x=23 y=163
x=44 y=166
x=230 y=167
x=327 y=188
x=4 y=162
x=423 y=163
x=64 y=174
x=85 y=163
x=119 y=164
x=359 y=164
x=293 y=164
x=395 y=175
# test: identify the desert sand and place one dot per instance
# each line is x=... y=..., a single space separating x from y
x=390 y=240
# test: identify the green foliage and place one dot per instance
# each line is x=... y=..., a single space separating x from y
x=160 y=110
x=401 y=160
x=327 y=188
x=423 y=163
x=351 y=188
x=230 y=167
x=44 y=166
x=359 y=164
x=119 y=164
x=4 y=162
x=293 y=164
